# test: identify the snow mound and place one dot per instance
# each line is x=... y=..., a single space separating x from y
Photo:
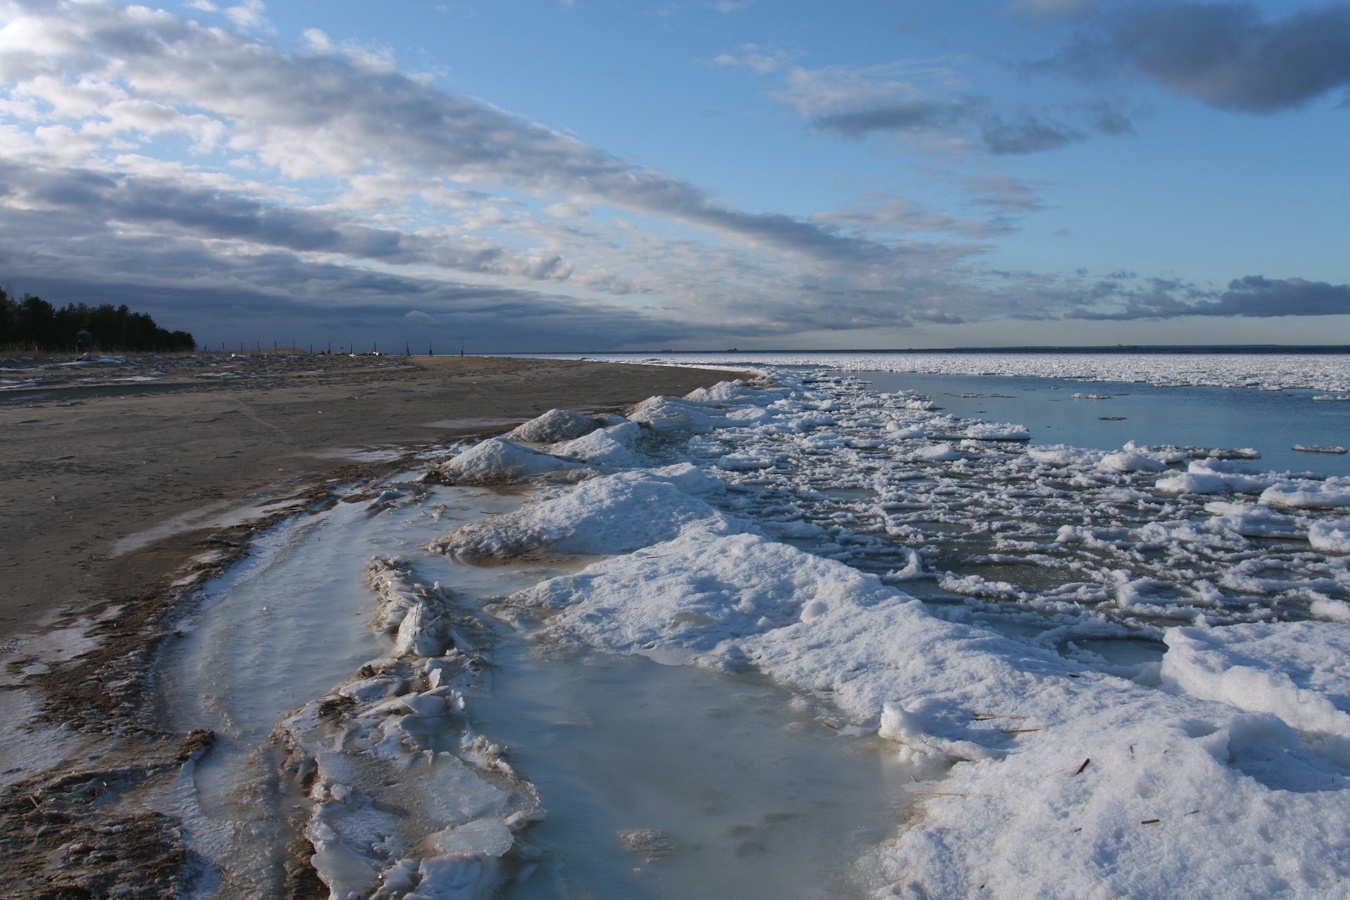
x=684 y=597
x=498 y=461
x=553 y=426
x=607 y=515
x=614 y=447
x=677 y=414
x=722 y=392
x=1284 y=670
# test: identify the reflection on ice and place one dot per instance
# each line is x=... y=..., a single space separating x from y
x=671 y=782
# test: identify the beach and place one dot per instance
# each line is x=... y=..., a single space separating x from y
x=123 y=477
x=370 y=668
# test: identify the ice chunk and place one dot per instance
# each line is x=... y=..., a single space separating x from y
x=906 y=430
x=1333 y=537
x=390 y=808
x=936 y=453
x=1062 y=455
x=1213 y=476
x=1126 y=461
x=997 y=431
x=1329 y=494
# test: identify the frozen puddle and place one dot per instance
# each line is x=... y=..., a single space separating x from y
x=654 y=781
x=678 y=782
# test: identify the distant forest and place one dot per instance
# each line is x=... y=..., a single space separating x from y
x=35 y=325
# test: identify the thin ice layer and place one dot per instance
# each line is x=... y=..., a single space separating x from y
x=403 y=799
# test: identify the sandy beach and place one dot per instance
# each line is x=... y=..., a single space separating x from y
x=120 y=479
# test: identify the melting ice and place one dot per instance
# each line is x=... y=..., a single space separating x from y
x=1115 y=673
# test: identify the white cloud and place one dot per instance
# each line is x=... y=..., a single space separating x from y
x=316 y=40
x=250 y=15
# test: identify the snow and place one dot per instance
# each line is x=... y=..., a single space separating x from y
x=553 y=426
x=1333 y=493
x=790 y=513
x=499 y=461
x=1114 y=673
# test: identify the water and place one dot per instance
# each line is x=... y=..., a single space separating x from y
x=721 y=788
x=1271 y=422
x=724 y=784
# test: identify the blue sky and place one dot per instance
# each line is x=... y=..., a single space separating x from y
x=617 y=174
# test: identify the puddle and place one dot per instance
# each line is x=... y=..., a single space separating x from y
x=657 y=781
x=676 y=782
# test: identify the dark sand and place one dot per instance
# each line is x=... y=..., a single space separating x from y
x=86 y=464
x=119 y=479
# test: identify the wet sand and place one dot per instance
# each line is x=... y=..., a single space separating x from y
x=121 y=480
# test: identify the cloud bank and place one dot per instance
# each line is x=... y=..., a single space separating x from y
x=1227 y=55
x=230 y=187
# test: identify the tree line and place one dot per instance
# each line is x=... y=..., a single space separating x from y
x=33 y=324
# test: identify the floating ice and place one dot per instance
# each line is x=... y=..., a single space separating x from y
x=1333 y=537
x=1330 y=494
x=1126 y=461
x=936 y=453
x=1213 y=476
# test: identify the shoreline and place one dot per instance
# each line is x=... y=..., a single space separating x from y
x=124 y=489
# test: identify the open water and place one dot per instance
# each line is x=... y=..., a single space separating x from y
x=1105 y=415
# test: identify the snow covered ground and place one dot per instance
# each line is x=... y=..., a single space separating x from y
x=1127 y=674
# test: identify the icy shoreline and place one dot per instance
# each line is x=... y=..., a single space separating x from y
x=1220 y=770
x=976 y=602
x=1263 y=371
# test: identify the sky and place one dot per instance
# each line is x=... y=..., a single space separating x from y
x=607 y=175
